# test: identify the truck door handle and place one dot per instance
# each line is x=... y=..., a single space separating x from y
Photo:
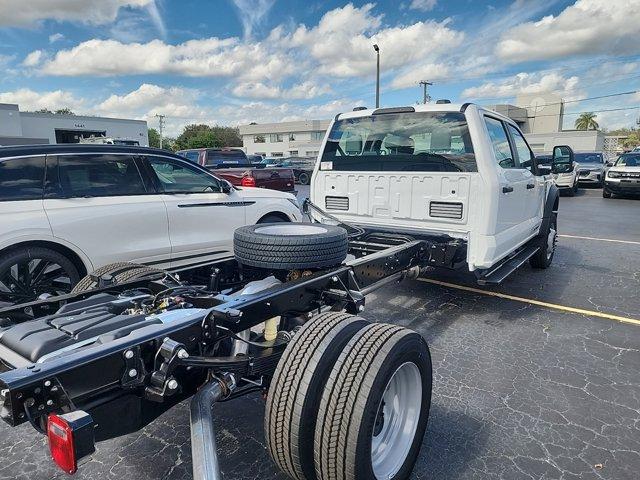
x=530 y=186
x=507 y=189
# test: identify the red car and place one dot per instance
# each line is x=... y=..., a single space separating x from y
x=233 y=165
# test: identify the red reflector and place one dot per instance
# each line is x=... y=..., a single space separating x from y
x=248 y=182
x=61 y=445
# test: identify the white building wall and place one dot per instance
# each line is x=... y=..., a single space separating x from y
x=578 y=140
x=301 y=138
x=10 y=125
x=42 y=125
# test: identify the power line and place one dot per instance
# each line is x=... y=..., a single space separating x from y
x=588 y=98
x=588 y=111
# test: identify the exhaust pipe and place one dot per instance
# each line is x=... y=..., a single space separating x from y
x=203 y=436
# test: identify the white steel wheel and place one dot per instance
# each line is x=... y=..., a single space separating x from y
x=396 y=421
x=551 y=241
x=375 y=406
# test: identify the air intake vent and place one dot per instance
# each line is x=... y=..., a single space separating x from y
x=336 y=203
x=445 y=210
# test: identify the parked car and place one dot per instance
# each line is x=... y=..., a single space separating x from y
x=623 y=176
x=458 y=173
x=302 y=167
x=110 y=141
x=234 y=166
x=68 y=209
x=565 y=174
x=255 y=160
x=590 y=168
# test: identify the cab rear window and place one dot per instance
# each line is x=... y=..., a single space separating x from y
x=399 y=142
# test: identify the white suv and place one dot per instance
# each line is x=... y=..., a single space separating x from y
x=66 y=210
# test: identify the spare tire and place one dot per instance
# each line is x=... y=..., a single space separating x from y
x=290 y=246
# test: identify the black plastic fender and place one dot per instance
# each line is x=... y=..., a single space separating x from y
x=550 y=206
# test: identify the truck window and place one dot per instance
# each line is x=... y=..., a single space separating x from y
x=413 y=142
x=226 y=158
x=500 y=143
x=191 y=155
x=524 y=152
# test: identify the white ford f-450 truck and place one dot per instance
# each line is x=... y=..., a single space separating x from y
x=461 y=176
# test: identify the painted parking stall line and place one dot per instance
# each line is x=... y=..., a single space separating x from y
x=554 y=306
x=613 y=240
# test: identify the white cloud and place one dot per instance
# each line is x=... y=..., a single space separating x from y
x=342 y=42
x=33 y=59
x=252 y=13
x=588 y=27
x=340 y=45
x=429 y=71
x=525 y=83
x=209 y=57
x=304 y=90
x=55 y=37
x=29 y=100
x=23 y=13
x=424 y=5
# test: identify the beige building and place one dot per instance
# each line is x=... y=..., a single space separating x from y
x=285 y=139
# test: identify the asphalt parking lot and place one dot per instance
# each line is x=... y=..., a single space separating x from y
x=524 y=387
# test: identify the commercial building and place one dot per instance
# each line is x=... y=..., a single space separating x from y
x=25 y=128
x=284 y=139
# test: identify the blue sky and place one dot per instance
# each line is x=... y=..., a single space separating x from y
x=236 y=61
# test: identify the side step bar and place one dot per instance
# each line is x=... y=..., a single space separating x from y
x=498 y=274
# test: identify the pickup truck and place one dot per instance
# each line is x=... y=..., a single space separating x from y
x=233 y=165
x=461 y=175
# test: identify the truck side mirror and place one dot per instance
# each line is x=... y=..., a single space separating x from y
x=563 y=159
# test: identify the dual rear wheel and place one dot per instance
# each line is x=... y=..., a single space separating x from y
x=349 y=399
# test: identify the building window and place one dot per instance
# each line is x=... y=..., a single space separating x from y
x=312 y=153
x=317 y=136
x=259 y=139
x=275 y=137
x=277 y=154
x=293 y=153
x=263 y=154
x=292 y=137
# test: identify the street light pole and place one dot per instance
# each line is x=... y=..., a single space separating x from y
x=377 y=49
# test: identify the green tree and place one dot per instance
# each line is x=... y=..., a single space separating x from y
x=587 y=121
x=64 y=111
x=154 y=138
x=43 y=110
x=205 y=136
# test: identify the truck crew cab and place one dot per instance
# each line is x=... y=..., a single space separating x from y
x=461 y=176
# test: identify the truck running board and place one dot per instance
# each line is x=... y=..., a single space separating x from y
x=510 y=265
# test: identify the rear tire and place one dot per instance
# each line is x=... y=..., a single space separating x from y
x=290 y=246
x=119 y=272
x=294 y=396
x=375 y=406
x=544 y=256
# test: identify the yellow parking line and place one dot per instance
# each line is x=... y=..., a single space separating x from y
x=555 y=306
x=631 y=242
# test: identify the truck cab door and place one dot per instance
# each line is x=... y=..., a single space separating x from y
x=514 y=222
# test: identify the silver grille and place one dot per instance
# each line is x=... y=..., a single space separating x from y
x=336 y=203
x=445 y=210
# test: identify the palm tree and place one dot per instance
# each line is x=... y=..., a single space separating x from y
x=587 y=121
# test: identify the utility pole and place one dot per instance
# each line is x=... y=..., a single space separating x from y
x=425 y=97
x=377 y=49
x=160 y=126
